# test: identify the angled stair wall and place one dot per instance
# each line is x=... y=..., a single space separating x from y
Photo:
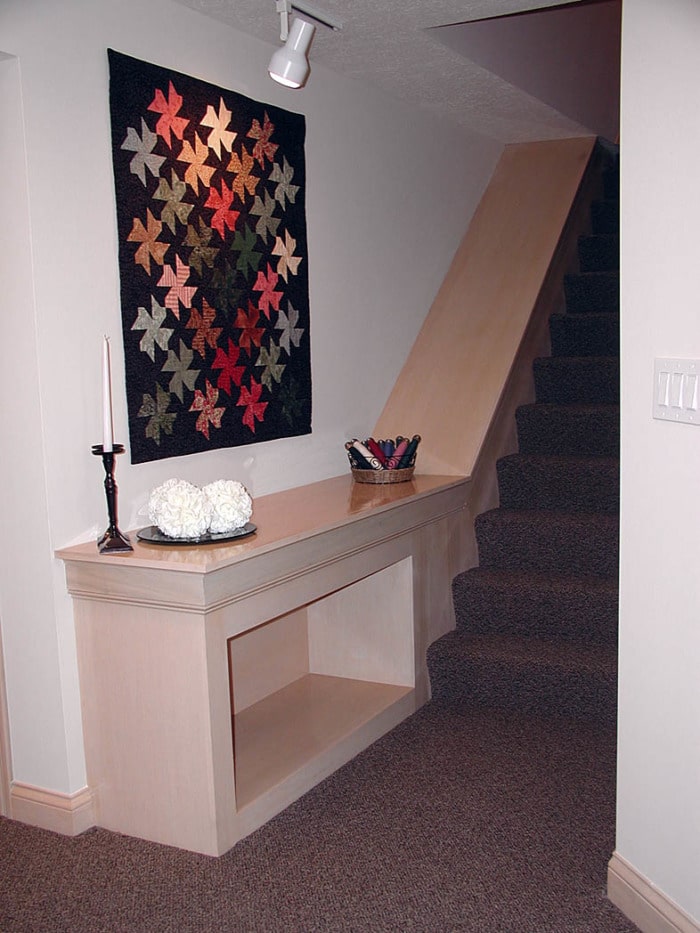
x=493 y=304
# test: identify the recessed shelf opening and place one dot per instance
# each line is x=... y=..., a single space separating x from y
x=303 y=685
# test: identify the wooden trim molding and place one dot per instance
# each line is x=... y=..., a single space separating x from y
x=69 y=814
x=643 y=903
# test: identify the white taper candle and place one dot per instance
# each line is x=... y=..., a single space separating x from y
x=107 y=430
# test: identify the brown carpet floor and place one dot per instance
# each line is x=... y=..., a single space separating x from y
x=457 y=820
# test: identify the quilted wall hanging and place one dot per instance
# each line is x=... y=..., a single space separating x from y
x=210 y=195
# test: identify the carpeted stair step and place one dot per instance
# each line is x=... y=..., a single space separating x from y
x=569 y=430
x=557 y=542
x=539 y=676
x=567 y=484
x=511 y=602
x=592 y=291
x=577 y=380
x=585 y=334
x=599 y=253
x=605 y=217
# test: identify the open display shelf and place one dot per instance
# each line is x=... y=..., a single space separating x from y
x=304 y=684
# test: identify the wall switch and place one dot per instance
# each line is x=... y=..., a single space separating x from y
x=676 y=390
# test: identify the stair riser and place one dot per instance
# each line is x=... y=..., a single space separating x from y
x=585 y=335
x=486 y=604
x=545 y=542
x=567 y=431
x=611 y=183
x=525 y=483
x=605 y=218
x=583 y=381
x=599 y=253
x=538 y=690
x=592 y=291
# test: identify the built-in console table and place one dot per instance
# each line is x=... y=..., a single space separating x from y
x=221 y=682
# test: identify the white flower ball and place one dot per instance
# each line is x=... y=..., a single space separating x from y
x=231 y=505
x=179 y=509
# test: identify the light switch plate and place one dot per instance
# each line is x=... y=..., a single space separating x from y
x=677 y=390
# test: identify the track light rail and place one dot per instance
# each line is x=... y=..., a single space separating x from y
x=319 y=16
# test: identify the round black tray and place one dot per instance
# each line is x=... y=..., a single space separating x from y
x=153 y=535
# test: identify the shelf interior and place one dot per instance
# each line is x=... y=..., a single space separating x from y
x=288 y=730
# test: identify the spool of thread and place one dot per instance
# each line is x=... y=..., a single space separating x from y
x=410 y=452
x=373 y=461
x=356 y=458
x=401 y=445
x=375 y=450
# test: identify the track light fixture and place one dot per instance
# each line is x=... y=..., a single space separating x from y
x=290 y=64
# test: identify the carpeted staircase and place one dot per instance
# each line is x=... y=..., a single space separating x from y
x=537 y=618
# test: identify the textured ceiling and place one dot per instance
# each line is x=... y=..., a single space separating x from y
x=391 y=45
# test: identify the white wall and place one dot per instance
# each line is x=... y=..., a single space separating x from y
x=659 y=747
x=389 y=194
x=30 y=635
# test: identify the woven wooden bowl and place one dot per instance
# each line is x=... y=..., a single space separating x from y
x=382 y=476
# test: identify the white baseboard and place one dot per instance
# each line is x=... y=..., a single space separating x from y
x=643 y=903
x=68 y=814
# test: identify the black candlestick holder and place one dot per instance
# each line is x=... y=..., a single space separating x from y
x=113 y=540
